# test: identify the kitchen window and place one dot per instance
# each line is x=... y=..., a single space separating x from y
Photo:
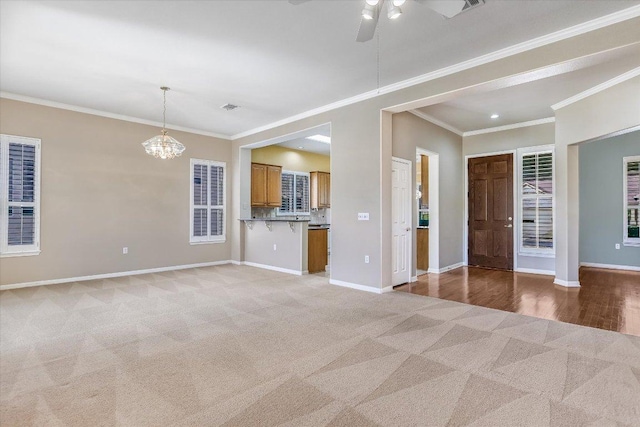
x=537 y=202
x=631 y=168
x=208 y=201
x=295 y=193
x=19 y=196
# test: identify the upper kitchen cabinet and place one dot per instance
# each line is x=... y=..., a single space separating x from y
x=266 y=185
x=320 y=190
x=424 y=175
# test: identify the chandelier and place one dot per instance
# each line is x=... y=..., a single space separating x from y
x=163 y=146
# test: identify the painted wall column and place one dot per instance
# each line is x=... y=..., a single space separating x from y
x=567 y=215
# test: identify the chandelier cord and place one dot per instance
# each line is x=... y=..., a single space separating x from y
x=378 y=55
x=164 y=110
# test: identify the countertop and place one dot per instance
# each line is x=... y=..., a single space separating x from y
x=278 y=218
x=319 y=226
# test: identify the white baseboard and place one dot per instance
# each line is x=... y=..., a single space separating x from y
x=234 y=262
x=445 y=269
x=110 y=275
x=567 y=283
x=610 y=266
x=273 y=268
x=413 y=279
x=360 y=287
x=535 y=271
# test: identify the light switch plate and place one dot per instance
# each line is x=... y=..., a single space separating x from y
x=363 y=216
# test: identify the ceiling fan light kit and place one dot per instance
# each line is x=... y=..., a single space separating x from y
x=369 y=11
x=394 y=11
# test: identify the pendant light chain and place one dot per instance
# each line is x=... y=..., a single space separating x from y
x=378 y=55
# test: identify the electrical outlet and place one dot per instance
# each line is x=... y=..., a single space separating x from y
x=274 y=247
x=125 y=250
x=363 y=216
x=366 y=259
x=617 y=245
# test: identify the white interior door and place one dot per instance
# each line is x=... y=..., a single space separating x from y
x=401 y=217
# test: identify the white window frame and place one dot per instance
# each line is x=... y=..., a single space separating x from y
x=536 y=252
x=199 y=240
x=18 y=250
x=627 y=241
x=295 y=212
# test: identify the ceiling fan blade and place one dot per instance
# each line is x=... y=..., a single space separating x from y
x=297 y=2
x=446 y=8
x=368 y=26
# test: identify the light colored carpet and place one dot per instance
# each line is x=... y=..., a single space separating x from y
x=239 y=346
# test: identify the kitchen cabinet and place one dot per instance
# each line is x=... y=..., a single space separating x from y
x=320 y=190
x=423 y=249
x=317 y=253
x=266 y=185
x=424 y=178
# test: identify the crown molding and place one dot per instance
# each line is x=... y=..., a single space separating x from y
x=436 y=122
x=62 y=106
x=576 y=30
x=509 y=127
x=599 y=88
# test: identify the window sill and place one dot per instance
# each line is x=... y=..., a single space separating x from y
x=208 y=242
x=537 y=254
x=17 y=254
x=631 y=244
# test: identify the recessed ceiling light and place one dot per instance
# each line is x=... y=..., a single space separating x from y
x=320 y=138
x=300 y=148
x=495 y=116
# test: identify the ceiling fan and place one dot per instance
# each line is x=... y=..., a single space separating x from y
x=373 y=9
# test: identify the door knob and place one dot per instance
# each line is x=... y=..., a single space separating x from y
x=509 y=226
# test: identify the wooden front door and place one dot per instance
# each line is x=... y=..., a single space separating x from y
x=491 y=212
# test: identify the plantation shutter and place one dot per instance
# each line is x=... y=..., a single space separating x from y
x=302 y=194
x=200 y=200
x=19 y=195
x=208 y=201
x=295 y=193
x=287 y=205
x=217 y=200
x=537 y=201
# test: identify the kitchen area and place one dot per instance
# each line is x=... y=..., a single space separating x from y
x=422 y=229
x=286 y=220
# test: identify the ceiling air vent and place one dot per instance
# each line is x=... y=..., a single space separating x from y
x=229 y=107
x=472 y=4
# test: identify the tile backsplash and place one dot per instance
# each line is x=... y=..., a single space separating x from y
x=320 y=216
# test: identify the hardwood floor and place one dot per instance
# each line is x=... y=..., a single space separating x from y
x=607 y=299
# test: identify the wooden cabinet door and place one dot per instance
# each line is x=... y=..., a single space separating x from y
x=274 y=186
x=317 y=259
x=491 y=212
x=423 y=249
x=258 y=184
x=424 y=178
x=327 y=190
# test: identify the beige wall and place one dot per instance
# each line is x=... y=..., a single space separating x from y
x=101 y=192
x=361 y=148
x=411 y=132
x=291 y=245
x=292 y=160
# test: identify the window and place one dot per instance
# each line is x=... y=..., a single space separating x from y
x=631 y=222
x=537 y=201
x=19 y=196
x=295 y=193
x=208 y=207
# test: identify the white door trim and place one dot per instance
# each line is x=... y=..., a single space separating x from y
x=434 y=208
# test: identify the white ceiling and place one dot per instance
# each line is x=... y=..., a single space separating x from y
x=474 y=112
x=303 y=144
x=273 y=59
